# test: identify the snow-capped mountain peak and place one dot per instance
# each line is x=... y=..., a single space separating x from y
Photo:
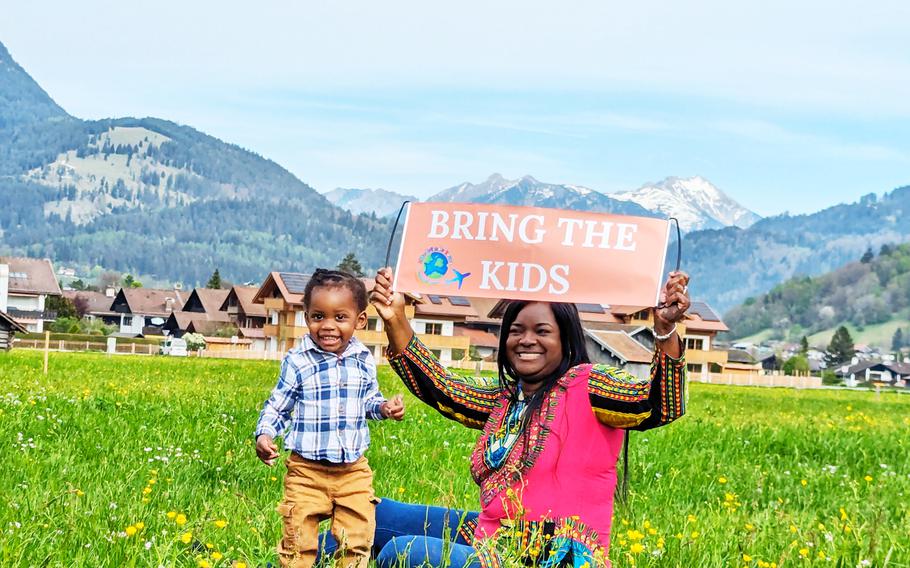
x=696 y=202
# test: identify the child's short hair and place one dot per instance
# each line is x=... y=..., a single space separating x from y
x=336 y=279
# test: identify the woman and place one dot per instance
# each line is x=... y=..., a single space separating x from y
x=552 y=432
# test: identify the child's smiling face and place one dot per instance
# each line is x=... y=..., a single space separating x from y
x=332 y=317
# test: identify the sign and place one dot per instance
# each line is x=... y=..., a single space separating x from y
x=531 y=253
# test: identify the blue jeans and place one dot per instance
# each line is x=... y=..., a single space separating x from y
x=409 y=536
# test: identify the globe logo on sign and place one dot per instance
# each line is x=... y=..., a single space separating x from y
x=435 y=265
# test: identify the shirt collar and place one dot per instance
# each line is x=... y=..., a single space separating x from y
x=355 y=347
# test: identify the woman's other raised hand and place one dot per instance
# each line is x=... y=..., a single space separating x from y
x=390 y=307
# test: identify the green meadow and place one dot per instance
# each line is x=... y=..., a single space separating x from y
x=149 y=461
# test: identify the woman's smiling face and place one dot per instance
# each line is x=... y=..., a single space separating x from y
x=534 y=346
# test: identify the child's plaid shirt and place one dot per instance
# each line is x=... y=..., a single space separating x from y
x=331 y=398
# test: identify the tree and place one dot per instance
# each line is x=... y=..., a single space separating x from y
x=78 y=284
x=130 y=282
x=841 y=349
x=350 y=264
x=867 y=256
x=897 y=340
x=214 y=281
x=63 y=307
x=796 y=364
x=80 y=303
x=804 y=346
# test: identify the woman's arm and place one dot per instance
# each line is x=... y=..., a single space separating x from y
x=468 y=401
x=621 y=400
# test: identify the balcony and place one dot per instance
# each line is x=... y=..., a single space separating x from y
x=270 y=330
x=445 y=341
x=275 y=304
x=292 y=332
x=698 y=356
x=371 y=337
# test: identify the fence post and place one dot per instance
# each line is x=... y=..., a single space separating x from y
x=47 y=348
x=133 y=348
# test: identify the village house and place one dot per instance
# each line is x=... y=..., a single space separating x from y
x=741 y=362
x=144 y=311
x=97 y=305
x=201 y=313
x=248 y=316
x=889 y=373
x=25 y=285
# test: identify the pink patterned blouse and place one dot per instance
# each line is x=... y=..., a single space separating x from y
x=550 y=484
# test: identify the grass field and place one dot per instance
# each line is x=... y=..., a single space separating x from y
x=141 y=461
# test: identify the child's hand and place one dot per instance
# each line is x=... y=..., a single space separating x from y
x=393 y=408
x=266 y=449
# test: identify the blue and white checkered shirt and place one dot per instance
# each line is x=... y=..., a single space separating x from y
x=331 y=398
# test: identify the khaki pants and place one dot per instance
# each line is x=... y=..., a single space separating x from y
x=314 y=492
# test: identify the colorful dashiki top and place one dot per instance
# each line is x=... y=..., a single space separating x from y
x=560 y=472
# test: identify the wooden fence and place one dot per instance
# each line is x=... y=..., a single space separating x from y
x=63 y=345
x=756 y=380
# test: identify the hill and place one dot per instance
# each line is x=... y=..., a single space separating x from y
x=154 y=197
x=871 y=296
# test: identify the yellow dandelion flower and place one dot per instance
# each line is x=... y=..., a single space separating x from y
x=171 y=514
x=843 y=514
x=147 y=490
x=868 y=478
x=750 y=527
x=721 y=479
x=694 y=535
x=804 y=552
x=146 y=500
x=652 y=530
x=803 y=482
x=647 y=524
x=240 y=565
x=130 y=530
x=181 y=519
x=401 y=490
x=152 y=481
x=637 y=548
x=821 y=555
x=217 y=555
x=140 y=525
x=691 y=518
x=186 y=537
x=847 y=528
x=209 y=545
x=793 y=528
x=220 y=523
x=747 y=558
x=203 y=563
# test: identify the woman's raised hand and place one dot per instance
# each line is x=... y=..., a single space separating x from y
x=674 y=301
x=389 y=304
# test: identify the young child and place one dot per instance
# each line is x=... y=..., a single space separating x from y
x=326 y=391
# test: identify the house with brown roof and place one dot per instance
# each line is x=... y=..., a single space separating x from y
x=96 y=305
x=144 y=311
x=242 y=311
x=25 y=284
x=201 y=313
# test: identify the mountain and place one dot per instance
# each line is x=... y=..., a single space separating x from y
x=379 y=201
x=152 y=197
x=871 y=296
x=730 y=265
x=695 y=202
x=528 y=191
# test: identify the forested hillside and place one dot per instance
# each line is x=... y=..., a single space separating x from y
x=870 y=291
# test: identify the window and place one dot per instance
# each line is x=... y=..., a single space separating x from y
x=436 y=353
x=696 y=343
x=435 y=299
x=459 y=301
x=642 y=315
x=373 y=324
x=433 y=329
x=694 y=368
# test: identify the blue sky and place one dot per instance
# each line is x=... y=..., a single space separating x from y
x=785 y=107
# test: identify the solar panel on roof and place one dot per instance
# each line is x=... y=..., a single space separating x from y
x=294 y=282
x=459 y=301
x=435 y=299
x=590 y=308
x=704 y=311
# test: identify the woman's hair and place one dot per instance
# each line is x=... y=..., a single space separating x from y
x=574 y=352
x=323 y=278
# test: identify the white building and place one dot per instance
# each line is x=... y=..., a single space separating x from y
x=25 y=284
